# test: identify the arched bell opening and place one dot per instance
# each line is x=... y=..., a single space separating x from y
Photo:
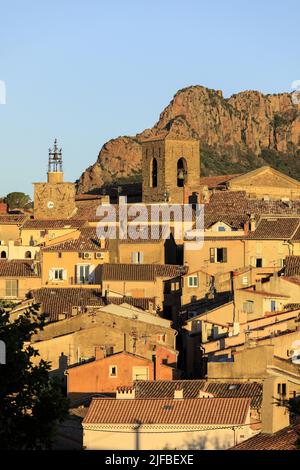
x=181 y=173
x=153 y=173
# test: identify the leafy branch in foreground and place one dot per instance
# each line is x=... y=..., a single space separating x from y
x=31 y=402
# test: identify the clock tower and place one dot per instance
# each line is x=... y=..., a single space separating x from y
x=54 y=199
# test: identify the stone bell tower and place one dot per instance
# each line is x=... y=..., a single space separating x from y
x=171 y=165
x=56 y=198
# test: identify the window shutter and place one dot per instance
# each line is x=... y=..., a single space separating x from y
x=64 y=274
x=212 y=255
x=51 y=275
x=224 y=255
x=253 y=261
x=141 y=257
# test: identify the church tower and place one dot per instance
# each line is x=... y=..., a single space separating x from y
x=171 y=164
x=54 y=199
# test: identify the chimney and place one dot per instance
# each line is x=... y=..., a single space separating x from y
x=246 y=227
x=274 y=416
x=178 y=392
x=125 y=393
x=252 y=223
x=99 y=353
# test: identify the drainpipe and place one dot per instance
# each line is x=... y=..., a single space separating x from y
x=136 y=427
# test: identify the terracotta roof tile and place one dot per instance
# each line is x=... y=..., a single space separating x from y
x=292 y=266
x=167 y=411
x=275 y=228
x=191 y=389
x=61 y=300
x=214 y=181
x=149 y=234
x=138 y=272
x=19 y=268
x=12 y=219
x=87 y=241
x=37 y=224
x=285 y=439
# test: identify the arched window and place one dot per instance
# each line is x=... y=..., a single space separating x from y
x=181 y=173
x=154 y=173
x=3 y=255
x=28 y=255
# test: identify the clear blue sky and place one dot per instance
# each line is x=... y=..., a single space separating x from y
x=91 y=70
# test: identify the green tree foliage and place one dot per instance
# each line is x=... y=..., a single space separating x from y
x=18 y=200
x=31 y=403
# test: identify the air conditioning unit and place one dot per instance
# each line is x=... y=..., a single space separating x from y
x=99 y=255
x=87 y=255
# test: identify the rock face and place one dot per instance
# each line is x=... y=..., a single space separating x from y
x=237 y=134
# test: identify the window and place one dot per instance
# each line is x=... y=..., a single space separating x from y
x=83 y=273
x=218 y=255
x=154 y=173
x=245 y=280
x=248 y=306
x=193 y=281
x=3 y=254
x=259 y=263
x=57 y=274
x=140 y=373
x=221 y=228
x=28 y=254
x=233 y=387
x=12 y=288
x=273 y=305
x=113 y=371
x=281 y=389
x=137 y=257
x=175 y=286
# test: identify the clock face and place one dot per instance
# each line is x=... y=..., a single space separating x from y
x=50 y=205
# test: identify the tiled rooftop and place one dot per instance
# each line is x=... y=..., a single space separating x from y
x=38 y=224
x=19 y=268
x=191 y=389
x=292 y=266
x=275 y=228
x=138 y=272
x=12 y=219
x=61 y=300
x=149 y=234
x=226 y=411
x=215 y=181
x=87 y=241
x=285 y=439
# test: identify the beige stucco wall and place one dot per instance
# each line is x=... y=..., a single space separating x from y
x=200 y=259
x=9 y=232
x=158 y=437
x=272 y=252
x=39 y=235
x=77 y=337
x=68 y=261
x=25 y=285
x=153 y=253
x=135 y=289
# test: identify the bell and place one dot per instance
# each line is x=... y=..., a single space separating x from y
x=180 y=174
